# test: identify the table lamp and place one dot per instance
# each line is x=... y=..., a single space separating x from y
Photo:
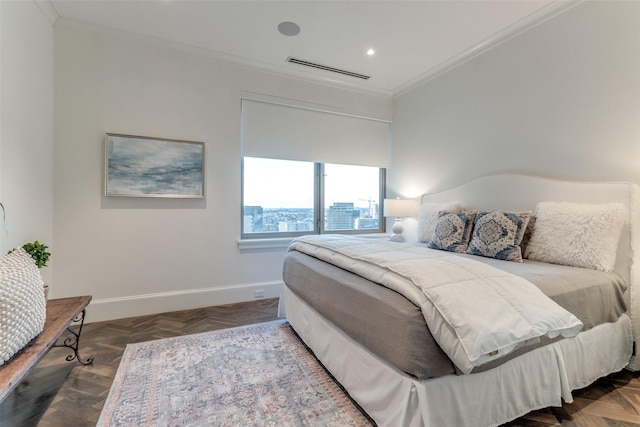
x=398 y=208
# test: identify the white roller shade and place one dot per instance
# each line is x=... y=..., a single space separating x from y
x=284 y=132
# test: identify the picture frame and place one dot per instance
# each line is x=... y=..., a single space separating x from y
x=141 y=166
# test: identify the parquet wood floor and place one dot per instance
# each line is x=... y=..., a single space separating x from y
x=64 y=394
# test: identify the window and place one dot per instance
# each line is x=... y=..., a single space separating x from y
x=298 y=173
x=351 y=198
x=278 y=196
x=291 y=198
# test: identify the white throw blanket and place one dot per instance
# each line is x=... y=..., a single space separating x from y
x=475 y=312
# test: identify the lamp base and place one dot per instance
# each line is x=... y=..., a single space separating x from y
x=397 y=231
x=397 y=238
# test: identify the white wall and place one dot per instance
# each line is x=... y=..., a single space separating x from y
x=26 y=126
x=560 y=100
x=138 y=256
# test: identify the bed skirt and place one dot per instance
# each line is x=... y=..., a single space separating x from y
x=534 y=380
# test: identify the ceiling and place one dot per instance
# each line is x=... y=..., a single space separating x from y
x=412 y=39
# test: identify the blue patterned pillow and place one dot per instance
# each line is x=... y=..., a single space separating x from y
x=498 y=234
x=452 y=231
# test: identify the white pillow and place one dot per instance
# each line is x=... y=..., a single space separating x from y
x=579 y=235
x=23 y=307
x=429 y=216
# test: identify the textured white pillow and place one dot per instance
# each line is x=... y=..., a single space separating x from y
x=23 y=306
x=429 y=216
x=580 y=235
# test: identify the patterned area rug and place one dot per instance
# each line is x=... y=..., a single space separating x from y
x=257 y=375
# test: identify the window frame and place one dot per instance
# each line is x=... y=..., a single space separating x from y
x=318 y=208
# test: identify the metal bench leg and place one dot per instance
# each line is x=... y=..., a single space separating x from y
x=74 y=342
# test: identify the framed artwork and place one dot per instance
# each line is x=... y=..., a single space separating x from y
x=139 y=166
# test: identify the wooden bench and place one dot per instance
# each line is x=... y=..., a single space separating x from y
x=61 y=313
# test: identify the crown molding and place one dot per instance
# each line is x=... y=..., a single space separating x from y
x=523 y=25
x=48 y=10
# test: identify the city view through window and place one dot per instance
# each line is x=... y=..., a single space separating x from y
x=279 y=197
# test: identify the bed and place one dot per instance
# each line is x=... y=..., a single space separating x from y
x=374 y=340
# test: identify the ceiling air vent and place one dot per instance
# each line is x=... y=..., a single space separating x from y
x=326 y=68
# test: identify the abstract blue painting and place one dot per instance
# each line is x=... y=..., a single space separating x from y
x=139 y=166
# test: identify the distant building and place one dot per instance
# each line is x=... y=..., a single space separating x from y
x=253 y=219
x=342 y=216
x=295 y=226
x=367 y=223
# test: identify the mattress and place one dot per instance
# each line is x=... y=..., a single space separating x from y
x=394 y=329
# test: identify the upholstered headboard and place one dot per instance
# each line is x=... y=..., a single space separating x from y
x=523 y=192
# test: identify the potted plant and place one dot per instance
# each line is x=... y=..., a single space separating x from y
x=38 y=252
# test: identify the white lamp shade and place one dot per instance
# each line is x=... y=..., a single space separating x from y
x=399 y=207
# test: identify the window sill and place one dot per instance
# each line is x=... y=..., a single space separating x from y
x=284 y=242
x=273 y=243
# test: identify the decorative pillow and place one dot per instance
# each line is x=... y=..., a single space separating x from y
x=527 y=234
x=452 y=231
x=580 y=235
x=498 y=234
x=429 y=215
x=22 y=303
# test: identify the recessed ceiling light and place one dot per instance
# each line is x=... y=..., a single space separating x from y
x=371 y=52
x=288 y=28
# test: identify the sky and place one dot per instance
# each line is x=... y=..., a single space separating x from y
x=289 y=184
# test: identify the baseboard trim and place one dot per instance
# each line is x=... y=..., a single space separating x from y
x=140 y=305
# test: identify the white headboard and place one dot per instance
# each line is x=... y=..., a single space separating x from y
x=523 y=192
